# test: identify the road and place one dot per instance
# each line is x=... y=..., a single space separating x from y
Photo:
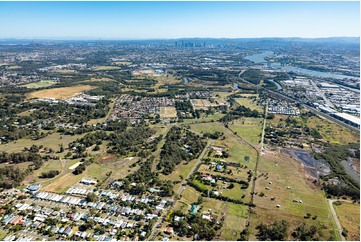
x=322 y=95
x=178 y=193
x=264 y=125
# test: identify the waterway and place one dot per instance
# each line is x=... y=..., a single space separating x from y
x=259 y=59
x=279 y=87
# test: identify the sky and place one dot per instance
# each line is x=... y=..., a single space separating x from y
x=169 y=20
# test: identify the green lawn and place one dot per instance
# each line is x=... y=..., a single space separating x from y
x=42 y=83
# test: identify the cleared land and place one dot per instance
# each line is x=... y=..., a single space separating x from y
x=279 y=172
x=42 y=83
x=168 y=112
x=60 y=93
x=349 y=216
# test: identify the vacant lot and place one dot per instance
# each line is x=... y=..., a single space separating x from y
x=349 y=216
x=279 y=172
x=43 y=83
x=60 y=93
x=168 y=112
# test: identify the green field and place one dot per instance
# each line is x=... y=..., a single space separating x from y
x=51 y=141
x=250 y=103
x=42 y=83
x=284 y=171
x=250 y=129
x=349 y=216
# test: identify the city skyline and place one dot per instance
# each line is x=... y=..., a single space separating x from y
x=172 y=20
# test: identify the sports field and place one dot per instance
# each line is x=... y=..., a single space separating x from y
x=61 y=92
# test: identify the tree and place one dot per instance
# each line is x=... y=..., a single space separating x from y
x=91 y=197
x=278 y=230
x=306 y=233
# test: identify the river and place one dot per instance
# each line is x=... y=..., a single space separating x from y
x=259 y=59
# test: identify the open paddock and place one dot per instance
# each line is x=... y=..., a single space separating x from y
x=283 y=178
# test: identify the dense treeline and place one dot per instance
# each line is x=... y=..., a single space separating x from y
x=334 y=154
x=240 y=111
x=179 y=145
x=131 y=140
x=12 y=176
x=49 y=174
x=144 y=178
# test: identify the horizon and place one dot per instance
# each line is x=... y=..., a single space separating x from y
x=176 y=20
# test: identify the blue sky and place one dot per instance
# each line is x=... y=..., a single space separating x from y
x=149 y=20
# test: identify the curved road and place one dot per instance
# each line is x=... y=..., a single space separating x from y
x=337 y=221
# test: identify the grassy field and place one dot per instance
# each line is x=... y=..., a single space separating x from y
x=50 y=141
x=42 y=83
x=331 y=132
x=106 y=68
x=168 y=112
x=250 y=103
x=60 y=93
x=250 y=129
x=204 y=118
x=349 y=216
x=107 y=165
x=47 y=166
x=182 y=169
x=284 y=171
